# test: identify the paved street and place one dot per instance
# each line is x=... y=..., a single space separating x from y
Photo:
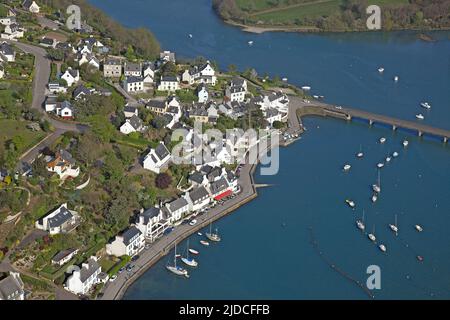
x=115 y=290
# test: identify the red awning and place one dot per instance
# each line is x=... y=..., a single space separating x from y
x=223 y=195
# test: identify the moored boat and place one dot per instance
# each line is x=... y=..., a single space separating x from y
x=382 y=140
x=176 y=269
x=189 y=261
x=420 y=116
x=382 y=247
x=205 y=243
x=350 y=203
x=380 y=69
x=425 y=105
x=193 y=251
x=213 y=236
x=405 y=143
x=418 y=228
x=347 y=167
x=395 y=154
x=380 y=165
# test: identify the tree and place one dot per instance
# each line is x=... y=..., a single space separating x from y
x=163 y=180
x=55 y=55
x=102 y=128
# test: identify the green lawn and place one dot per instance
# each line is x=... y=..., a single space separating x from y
x=15 y=128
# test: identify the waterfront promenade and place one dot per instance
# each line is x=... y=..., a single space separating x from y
x=160 y=248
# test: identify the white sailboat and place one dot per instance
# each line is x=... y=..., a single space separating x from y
x=382 y=140
x=189 y=261
x=377 y=187
x=350 y=203
x=360 y=154
x=405 y=143
x=394 y=227
x=360 y=223
x=382 y=247
x=213 y=236
x=425 y=105
x=395 y=154
x=380 y=69
x=347 y=167
x=418 y=228
x=420 y=116
x=380 y=165
x=371 y=236
x=374 y=197
x=176 y=269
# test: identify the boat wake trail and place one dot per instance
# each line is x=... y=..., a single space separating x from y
x=315 y=245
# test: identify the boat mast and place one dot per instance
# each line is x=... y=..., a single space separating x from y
x=187 y=253
x=175 y=257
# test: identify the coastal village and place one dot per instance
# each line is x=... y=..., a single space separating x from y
x=91 y=183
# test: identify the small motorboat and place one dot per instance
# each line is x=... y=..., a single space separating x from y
x=382 y=247
x=405 y=143
x=350 y=203
x=372 y=237
x=250 y=43
x=205 y=243
x=193 y=251
x=380 y=165
x=189 y=261
x=418 y=228
x=199 y=233
x=284 y=79
x=425 y=105
x=382 y=140
x=396 y=78
x=306 y=88
x=376 y=188
x=388 y=159
x=395 y=154
x=190 y=35
x=420 y=258
x=177 y=255
x=347 y=167
x=420 y=116
x=360 y=155
x=381 y=70
x=393 y=227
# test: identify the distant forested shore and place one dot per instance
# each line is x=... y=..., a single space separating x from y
x=334 y=15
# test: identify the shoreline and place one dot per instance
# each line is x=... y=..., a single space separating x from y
x=299 y=29
x=298 y=108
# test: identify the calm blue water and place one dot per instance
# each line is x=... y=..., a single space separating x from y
x=266 y=251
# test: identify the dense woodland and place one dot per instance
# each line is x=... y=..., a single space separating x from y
x=415 y=14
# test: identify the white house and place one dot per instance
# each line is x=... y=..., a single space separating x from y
x=169 y=83
x=220 y=189
x=6 y=21
x=62 y=220
x=148 y=72
x=177 y=209
x=55 y=87
x=51 y=102
x=167 y=56
x=7 y=53
x=157 y=158
x=271 y=115
x=131 y=69
x=31 y=6
x=133 y=84
x=12 y=287
x=133 y=124
x=202 y=93
x=84 y=278
x=64 y=256
x=63 y=165
x=2 y=71
x=65 y=110
x=71 y=76
x=129 y=243
x=90 y=59
x=200 y=74
x=197 y=198
x=153 y=222
x=130 y=111
x=13 y=31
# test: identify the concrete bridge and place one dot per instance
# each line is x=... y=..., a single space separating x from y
x=299 y=108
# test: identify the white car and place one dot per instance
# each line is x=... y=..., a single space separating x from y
x=192 y=222
x=114 y=277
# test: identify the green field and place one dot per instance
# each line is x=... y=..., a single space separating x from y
x=14 y=128
x=291 y=11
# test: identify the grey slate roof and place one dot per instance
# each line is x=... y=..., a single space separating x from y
x=80 y=90
x=132 y=67
x=177 y=204
x=62 y=254
x=150 y=213
x=10 y=288
x=130 y=234
x=135 y=122
x=60 y=218
x=156 y=104
x=196 y=177
x=133 y=79
x=6 y=49
x=161 y=151
x=85 y=273
x=169 y=79
x=112 y=61
x=198 y=194
x=219 y=185
x=130 y=109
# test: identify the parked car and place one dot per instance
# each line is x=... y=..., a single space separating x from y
x=114 y=277
x=135 y=257
x=121 y=270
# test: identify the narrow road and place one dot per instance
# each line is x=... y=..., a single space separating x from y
x=40 y=81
